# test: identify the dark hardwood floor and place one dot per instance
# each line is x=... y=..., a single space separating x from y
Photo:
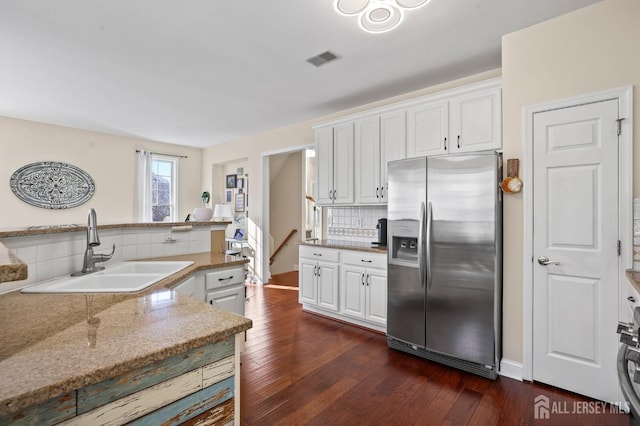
x=299 y=368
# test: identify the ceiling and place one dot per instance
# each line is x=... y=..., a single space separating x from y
x=205 y=72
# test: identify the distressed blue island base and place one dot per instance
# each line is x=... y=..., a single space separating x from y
x=201 y=384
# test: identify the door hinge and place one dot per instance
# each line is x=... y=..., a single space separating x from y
x=619 y=247
x=619 y=121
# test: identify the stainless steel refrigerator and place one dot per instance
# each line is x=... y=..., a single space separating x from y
x=445 y=259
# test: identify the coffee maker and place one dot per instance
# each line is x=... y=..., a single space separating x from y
x=382 y=233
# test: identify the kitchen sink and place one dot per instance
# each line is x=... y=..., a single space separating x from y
x=117 y=278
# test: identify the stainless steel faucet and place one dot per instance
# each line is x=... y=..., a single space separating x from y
x=93 y=240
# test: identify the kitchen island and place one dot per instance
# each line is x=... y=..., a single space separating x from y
x=151 y=352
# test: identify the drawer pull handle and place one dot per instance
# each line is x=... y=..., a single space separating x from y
x=225 y=279
x=317 y=254
x=631 y=299
x=365 y=261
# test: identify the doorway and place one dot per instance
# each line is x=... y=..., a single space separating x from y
x=283 y=209
x=577 y=214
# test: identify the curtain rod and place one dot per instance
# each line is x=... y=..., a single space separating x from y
x=168 y=155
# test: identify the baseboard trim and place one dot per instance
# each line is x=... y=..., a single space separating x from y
x=511 y=369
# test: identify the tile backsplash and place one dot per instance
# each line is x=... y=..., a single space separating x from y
x=52 y=255
x=356 y=224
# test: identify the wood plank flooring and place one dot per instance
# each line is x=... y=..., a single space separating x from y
x=302 y=369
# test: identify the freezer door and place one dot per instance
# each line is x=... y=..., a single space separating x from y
x=463 y=248
x=406 y=284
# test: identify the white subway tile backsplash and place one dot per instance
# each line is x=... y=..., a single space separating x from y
x=354 y=223
x=52 y=255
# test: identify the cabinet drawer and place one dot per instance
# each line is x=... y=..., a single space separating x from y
x=366 y=259
x=230 y=299
x=319 y=253
x=224 y=278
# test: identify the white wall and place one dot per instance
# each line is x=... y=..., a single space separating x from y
x=285 y=206
x=109 y=160
x=590 y=50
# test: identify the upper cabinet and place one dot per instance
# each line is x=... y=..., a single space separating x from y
x=475 y=121
x=378 y=140
x=460 y=120
x=334 y=153
x=467 y=122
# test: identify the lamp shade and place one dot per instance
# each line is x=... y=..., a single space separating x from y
x=221 y=211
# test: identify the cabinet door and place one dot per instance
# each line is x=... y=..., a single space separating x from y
x=427 y=129
x=229 y=298
x=327 y=278
x=475 y=121
x=393 y=131
x=353 y=291
x=324 y=165
x=377 y=296
x=187 y=287
x=343 y=164
x=307 y=282
x=367 y=161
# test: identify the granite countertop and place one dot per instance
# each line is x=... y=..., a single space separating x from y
x=345 y=245
x=634 y=278
x=56 y=229
x=11 y=268
x=52 y=344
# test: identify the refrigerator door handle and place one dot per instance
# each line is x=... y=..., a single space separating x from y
x=421 y=244
x=428 y=244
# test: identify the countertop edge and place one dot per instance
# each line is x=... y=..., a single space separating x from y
x=23 y=400
x=11 y=267
x=344 y=245
x=57 y=229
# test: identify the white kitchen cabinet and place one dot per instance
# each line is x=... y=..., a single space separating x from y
x=225 y=289
x=475 y=121
x=348 y=285
x=192 y=286
x=318 y=279
x=463 y=121
x=364 y=288
x=378 y=139
x=334 y=156
x=428 y=129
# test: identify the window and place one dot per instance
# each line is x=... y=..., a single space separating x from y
x=164 y=176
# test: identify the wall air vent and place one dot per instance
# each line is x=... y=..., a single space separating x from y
x=322 y=58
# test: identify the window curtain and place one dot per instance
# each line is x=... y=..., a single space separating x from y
x=144 y=186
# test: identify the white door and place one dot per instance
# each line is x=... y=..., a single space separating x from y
x=575 y=226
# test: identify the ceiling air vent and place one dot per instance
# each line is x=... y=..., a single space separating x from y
x=322 y=58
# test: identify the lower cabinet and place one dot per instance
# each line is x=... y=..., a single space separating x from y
x=364 y=293
x=346 y=284
x=200 y=384
x=221 y=287
x=225 y=289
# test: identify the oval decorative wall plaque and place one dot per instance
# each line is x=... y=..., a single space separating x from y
x=52 y=185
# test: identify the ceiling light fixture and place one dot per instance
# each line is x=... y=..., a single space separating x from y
x=377 y=16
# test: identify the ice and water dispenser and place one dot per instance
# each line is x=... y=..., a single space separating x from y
x=403 y=244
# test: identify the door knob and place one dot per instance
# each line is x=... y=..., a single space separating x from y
x=544 y=261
